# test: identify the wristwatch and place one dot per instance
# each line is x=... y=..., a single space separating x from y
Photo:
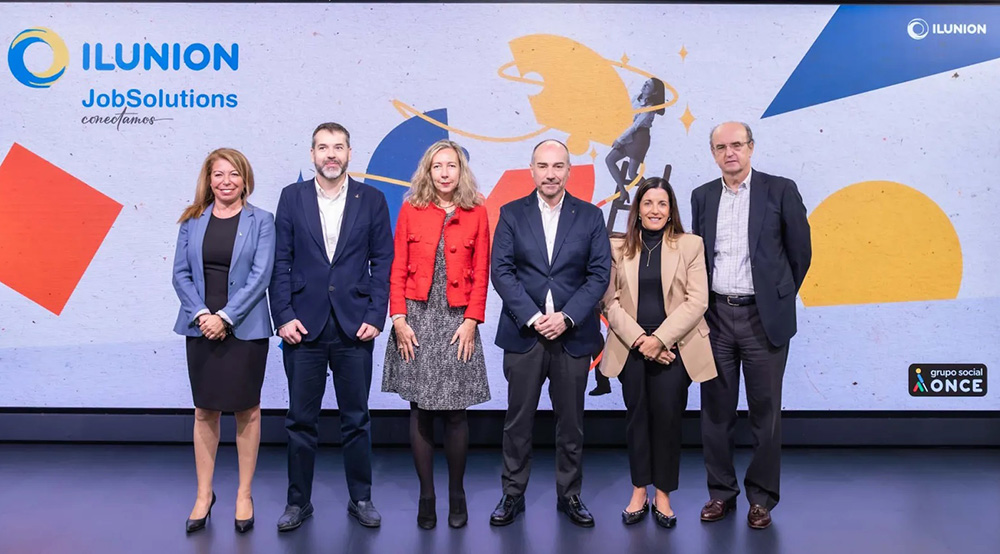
x=569 y=322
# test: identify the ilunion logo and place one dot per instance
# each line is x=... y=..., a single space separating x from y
x=15 y=57
x=917 y=28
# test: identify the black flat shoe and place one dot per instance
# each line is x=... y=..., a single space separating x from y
x=458 y=512
x=664 y=520
x=199 y=524
x=244 y=525
x=630 y=518
x=427 y=513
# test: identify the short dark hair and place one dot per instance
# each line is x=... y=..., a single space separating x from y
x=559 y=142
x=333 y=128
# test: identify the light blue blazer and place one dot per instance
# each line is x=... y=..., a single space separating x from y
x=249 y=274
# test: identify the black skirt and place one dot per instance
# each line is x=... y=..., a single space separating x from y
x=226 y=375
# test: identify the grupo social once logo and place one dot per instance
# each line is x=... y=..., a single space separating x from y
x=947 y=380
x=917 y=28
x=20 y=44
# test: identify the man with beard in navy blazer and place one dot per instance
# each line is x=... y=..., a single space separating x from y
x=329 y=295
x=757 y=252
x=551 y=264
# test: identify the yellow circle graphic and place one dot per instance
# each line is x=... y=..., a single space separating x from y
x=881 y=241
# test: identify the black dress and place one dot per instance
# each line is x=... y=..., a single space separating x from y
x=225 y=375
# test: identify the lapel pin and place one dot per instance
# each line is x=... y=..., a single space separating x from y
x=357 y=195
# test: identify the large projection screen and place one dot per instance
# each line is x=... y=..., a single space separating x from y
x=883 y=115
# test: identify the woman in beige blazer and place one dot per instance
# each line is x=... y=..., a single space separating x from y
x=657 y=340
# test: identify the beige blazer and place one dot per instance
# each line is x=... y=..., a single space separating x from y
x=685 y=293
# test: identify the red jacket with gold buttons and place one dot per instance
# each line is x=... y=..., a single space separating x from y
x=466 y=256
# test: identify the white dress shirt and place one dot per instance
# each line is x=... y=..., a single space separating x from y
x=550 y=223
x=731 y=274
x=331 y=215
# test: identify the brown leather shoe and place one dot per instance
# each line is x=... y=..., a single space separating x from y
x=759 y=517
x=716 y=509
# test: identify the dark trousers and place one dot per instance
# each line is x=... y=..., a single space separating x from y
x=738 y=339
x=350 y=362
x=655 y=398
x=525 y=374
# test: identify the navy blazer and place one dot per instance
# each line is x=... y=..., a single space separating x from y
x=355 y=286
x=780 y=247
x=249 y=273
x=578 y=275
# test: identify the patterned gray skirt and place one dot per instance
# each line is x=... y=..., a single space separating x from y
x=436 y=379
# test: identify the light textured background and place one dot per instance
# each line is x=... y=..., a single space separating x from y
x=112 y=346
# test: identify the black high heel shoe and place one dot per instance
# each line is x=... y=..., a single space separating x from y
x=663 y=520
x=426 y=514
x=244 y=525
x=458 y=512
x=199 y=524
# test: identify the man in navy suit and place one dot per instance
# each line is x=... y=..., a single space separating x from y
x=329 y=295
x=551 y=264
x=758 y=250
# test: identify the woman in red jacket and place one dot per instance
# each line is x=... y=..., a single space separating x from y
x=437 y=298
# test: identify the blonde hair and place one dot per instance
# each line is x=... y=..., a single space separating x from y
x=422 y=191
x=203 y=195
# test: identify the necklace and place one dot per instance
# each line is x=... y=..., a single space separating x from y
x=649 y=251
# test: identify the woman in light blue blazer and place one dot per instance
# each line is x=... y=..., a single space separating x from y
x=222 y=265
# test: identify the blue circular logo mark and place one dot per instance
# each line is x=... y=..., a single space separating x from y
x=15 y=57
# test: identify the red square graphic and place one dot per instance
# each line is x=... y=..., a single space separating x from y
x=51 y=225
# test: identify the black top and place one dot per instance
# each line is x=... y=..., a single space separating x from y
x=650 y=313
x=217 y=253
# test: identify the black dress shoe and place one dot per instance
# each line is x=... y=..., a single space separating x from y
x=244 y=525
x=576 y=510
x=294 y=516
x=663 y=520
x=364 y=511
x=426 y=513
x=193 y=525
x=508 y=508
x=629 y=518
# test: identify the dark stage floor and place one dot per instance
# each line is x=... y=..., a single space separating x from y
x=134 y=499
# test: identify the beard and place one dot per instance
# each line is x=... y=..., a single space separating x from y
x=331 y=173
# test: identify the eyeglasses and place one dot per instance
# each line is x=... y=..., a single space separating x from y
x=736 y=146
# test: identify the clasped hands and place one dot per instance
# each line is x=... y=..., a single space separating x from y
x=212 y=326
x=551 y=325
x=406 y=339
x=652 y=349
